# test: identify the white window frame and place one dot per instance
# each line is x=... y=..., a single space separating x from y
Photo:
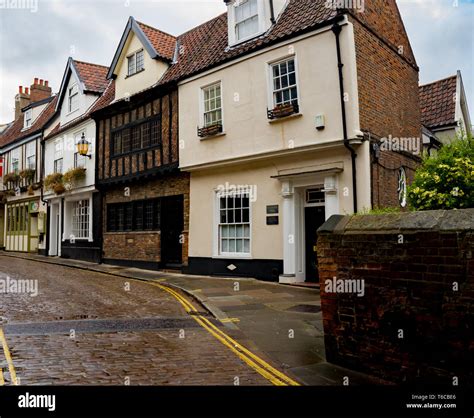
x=73 y=94
x=28 y=118
x=202 y=106
x=134 y=58
x=239 y=4
x=270 y=89
x=58 y=155
x=217 y=238
x=232 y=24
x=85 y=232
x=15 y=157
x=31 y=153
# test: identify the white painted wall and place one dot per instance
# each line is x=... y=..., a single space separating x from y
x=154 y=70
x=85 y=102
x=246 y=97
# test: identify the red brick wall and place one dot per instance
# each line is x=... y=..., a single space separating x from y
x=388 y=91
x=408 y=286
x=144 y=246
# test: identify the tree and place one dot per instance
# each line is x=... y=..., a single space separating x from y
x=445 y=180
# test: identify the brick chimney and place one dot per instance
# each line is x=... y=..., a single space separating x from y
x=22 y=99
x=39 y=90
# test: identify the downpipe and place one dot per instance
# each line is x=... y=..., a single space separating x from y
x=337 y=31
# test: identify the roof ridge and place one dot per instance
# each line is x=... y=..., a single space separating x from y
x=437 y=81
x=90 y=63
x=159 y=30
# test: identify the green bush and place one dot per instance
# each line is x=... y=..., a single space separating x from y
x=445 y=180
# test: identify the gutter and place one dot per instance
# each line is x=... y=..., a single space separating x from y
x=336 y=28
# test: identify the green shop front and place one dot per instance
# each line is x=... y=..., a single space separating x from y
x=25 y=225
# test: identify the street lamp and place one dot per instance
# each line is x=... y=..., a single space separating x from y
x=83 y=146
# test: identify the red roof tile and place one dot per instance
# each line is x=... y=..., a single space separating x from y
x=206 y=45
x=438 y=103
x=92 y=75
x=15 y=132
x=163 y=42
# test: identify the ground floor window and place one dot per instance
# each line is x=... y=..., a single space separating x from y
x=80 y=219
x=234 y=224
x=139 y=215
x=17 y=219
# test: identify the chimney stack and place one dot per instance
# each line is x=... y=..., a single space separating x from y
x=22 y=99
x=39 y=90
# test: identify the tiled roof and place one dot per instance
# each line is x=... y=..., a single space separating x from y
x=92 y=75
x=163 y=42
x=103 y=101
x=206 y=45
x=14 y=132
x=438 y=103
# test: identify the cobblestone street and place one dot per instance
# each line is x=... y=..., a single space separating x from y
x=89 y=328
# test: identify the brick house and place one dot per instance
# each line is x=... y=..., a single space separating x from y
x=145 y=197
x=295 y=111
x=23 y=210
x=74 y=207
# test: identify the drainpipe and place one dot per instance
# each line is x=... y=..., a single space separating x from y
x=272 y=13
x=337 y=31
x=43 y=146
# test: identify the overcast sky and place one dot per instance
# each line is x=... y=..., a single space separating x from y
x=38 y=43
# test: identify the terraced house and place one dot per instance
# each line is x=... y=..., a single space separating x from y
x=74 y=204
x=288 y=108
x=20 y=146
x=145 y=196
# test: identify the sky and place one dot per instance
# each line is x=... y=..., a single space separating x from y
x=37 y=41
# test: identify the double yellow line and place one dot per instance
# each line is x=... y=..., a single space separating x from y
x=261 y=366
x=8 y=357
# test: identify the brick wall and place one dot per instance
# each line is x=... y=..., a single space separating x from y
x=384 y=173
x=388 y=92
x=144 y=246
x=410 y=264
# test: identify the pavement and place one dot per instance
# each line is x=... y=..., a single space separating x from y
x=281 y=323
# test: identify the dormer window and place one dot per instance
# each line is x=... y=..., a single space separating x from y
x=28 y=117
x=136 y=62
x=73 y=98
x=246 y=19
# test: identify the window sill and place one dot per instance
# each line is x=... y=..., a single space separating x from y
x=284 y=118
x=233 y=256
x=212 y=136
x=135 y=73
